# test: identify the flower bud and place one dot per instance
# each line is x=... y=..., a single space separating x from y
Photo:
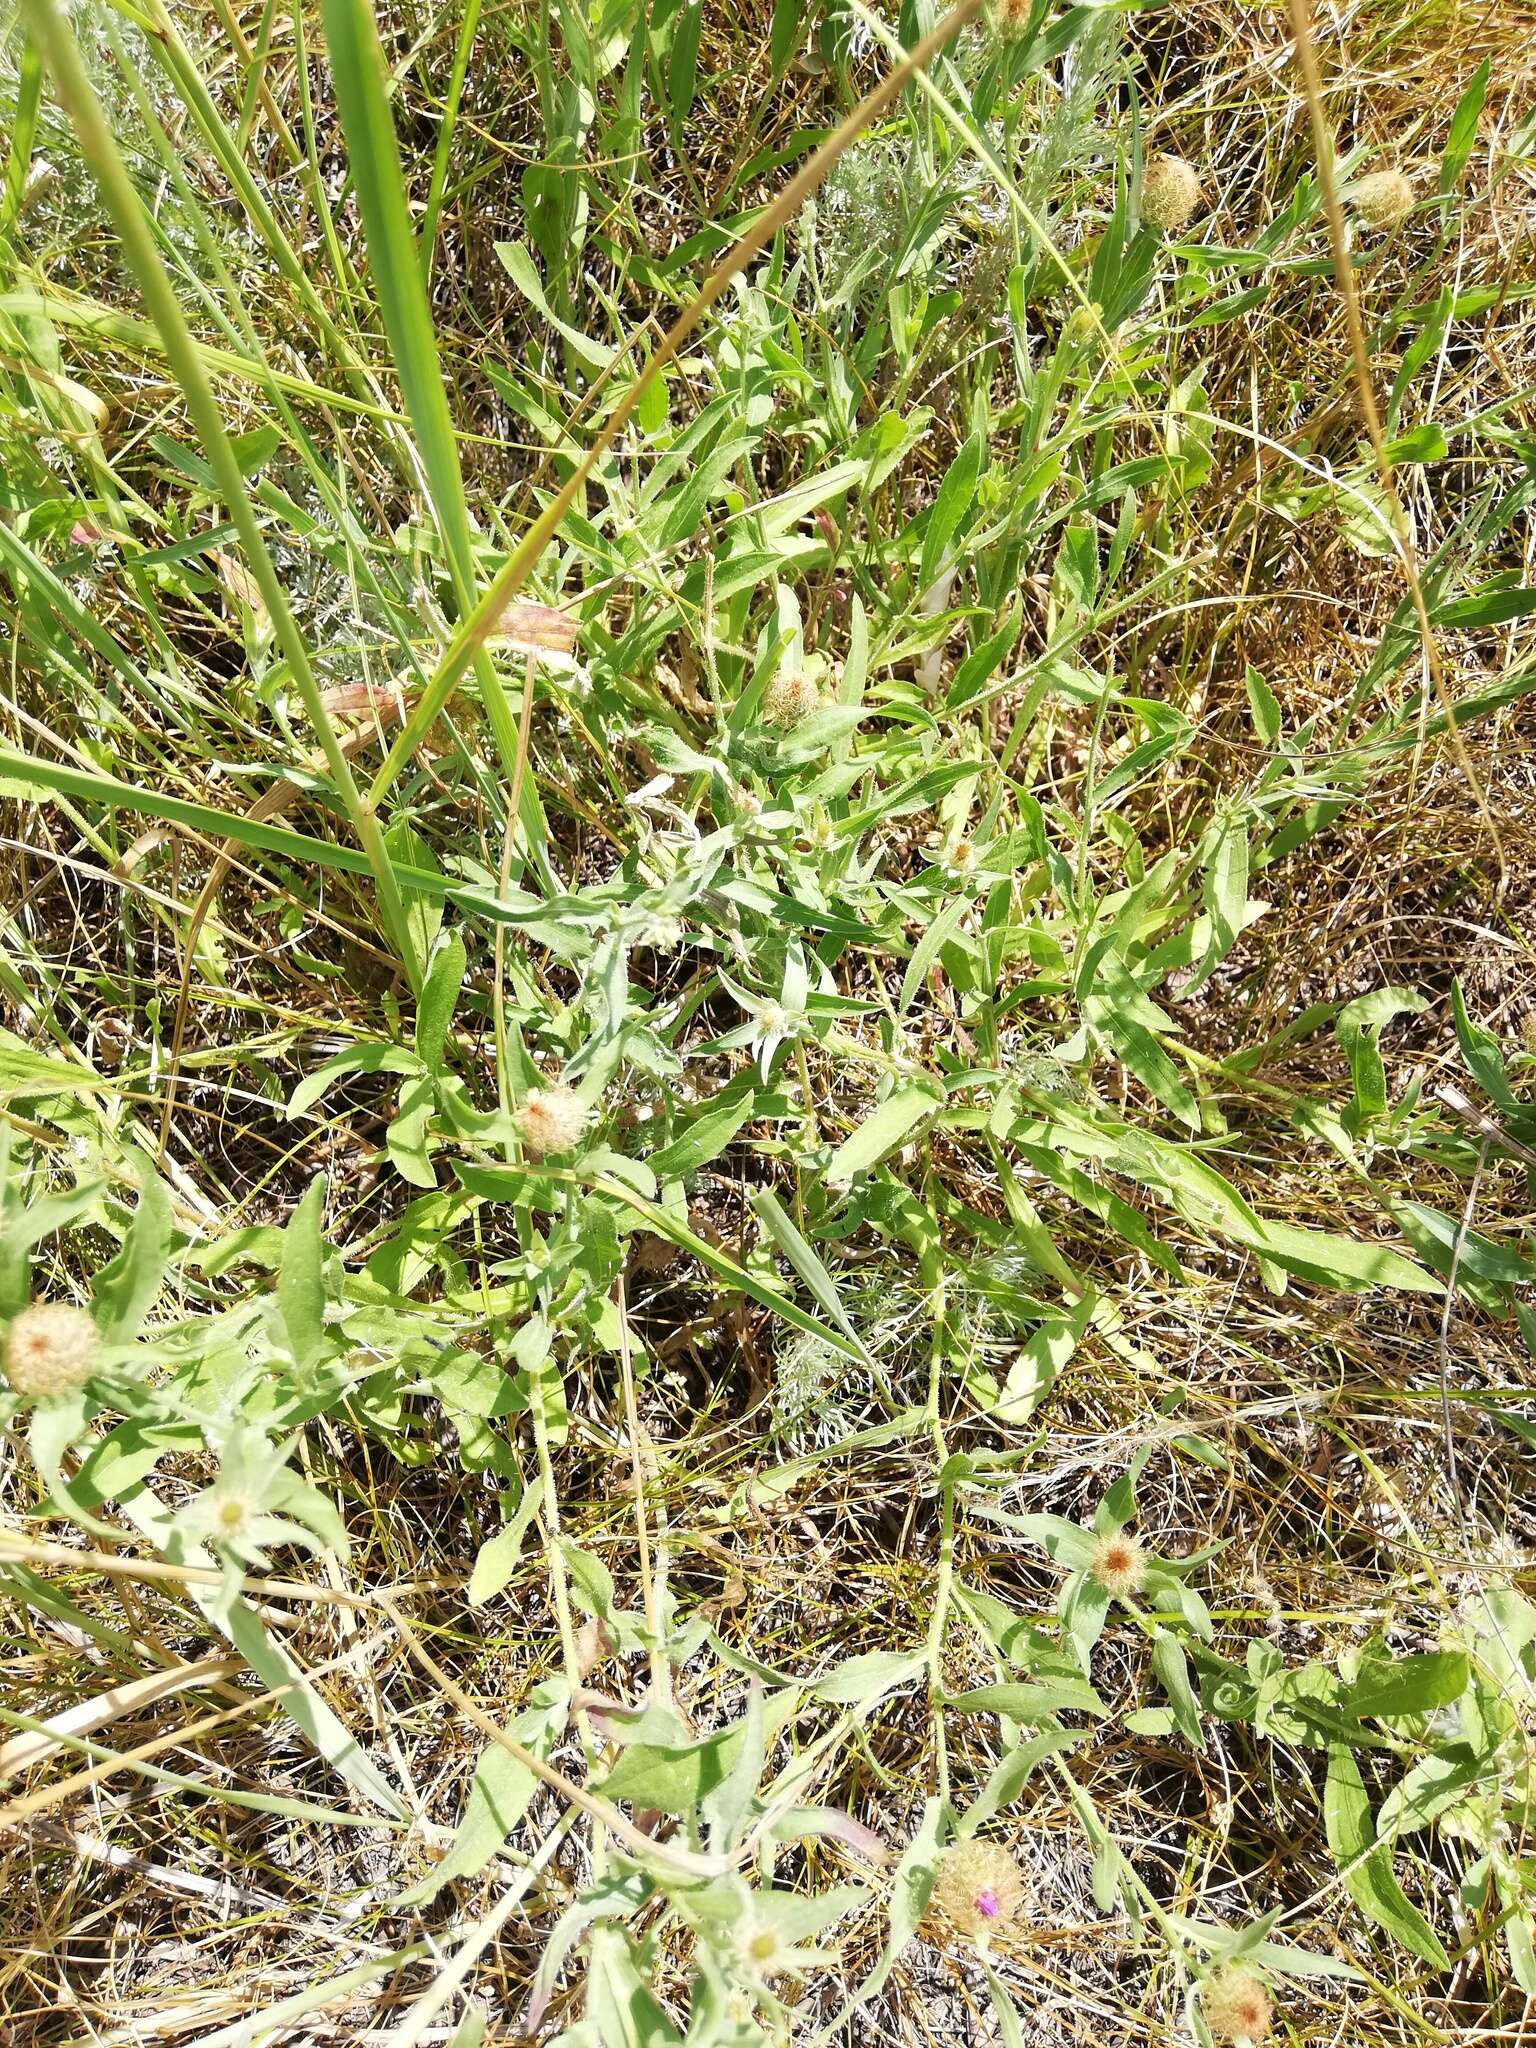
x=51 y=1348
x=1170 y=192
x=789 y=699
x=1383 y=199
x=550 y=1120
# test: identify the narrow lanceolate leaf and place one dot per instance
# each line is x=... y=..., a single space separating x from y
x=362 y=96
x=884 y=1128
x=1366 y=1865
x=124 y=1290
x=361 y=77
x=300 y=1282
x=806 y=1263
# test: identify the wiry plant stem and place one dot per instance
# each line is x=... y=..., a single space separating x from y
x=1407 y=553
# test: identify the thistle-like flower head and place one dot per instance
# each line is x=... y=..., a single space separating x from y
x=1237 y=2005
x=979 y=1887
x=790 y=699
x=51 y=1348
x=1119 y=1564
x=1170 y=192
x=550 y=1120
x=1382 y=199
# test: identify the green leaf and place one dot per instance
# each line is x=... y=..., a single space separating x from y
x=517 y=261
x=1028 y=1703
x=1488 y=608
x=1345 y=1262
x=1263 y=707
x=784 y=35
x=1462 y=132
x=376 y=1057
x=124 y=1290
x=1036 y=1369
x=300 y=1279
x=439 y=995
x=860 y=1681
x=1435 y=1784
x=678 y=1777
x=1226 y=888
x=927 y=948
x=770 y=1211
x=1109 y=1011
x=424 y=913
x=362 y=96
x=705 y=1136
x=1481 y=1051
x=683 y=67
x=1366 y=1867
x=1408 y=1685
x=497 y=1558
x=883 y=1129
x=499 y=1795
x=950 y=507
x=1172 y=1668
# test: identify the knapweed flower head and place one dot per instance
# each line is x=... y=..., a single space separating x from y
x=1170 y=192
x=1383 y=198
x=536 y=629
x=790 y=699
x=979 y=1887
x=1119 y=1564
x=1236 y=2004
x=51 y=1348
x=1083 y=322
x=1009 y=17
x=550 y=1120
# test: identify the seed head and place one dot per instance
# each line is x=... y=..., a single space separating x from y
x=1383 y=199
x=789 y=699
x=979 y=1887
x=1170 y=192
x=550 y=1120
x=50 y=1348
x=1119 y=1564
x=1237 y=2005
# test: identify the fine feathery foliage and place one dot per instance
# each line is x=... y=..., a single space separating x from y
x=767 y=1019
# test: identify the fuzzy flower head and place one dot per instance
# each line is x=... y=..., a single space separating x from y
x=51 y=1348
x=660 y=930
x=536 y=629
x=550 y=1120
x=1237 y=2005
x=1009 y=17
x=790 y=699
x=1170 y=192
x=1119 y=1564
x=1382 y=199
x=979 y=1888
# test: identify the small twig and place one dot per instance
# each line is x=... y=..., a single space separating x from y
x=1322 y=138
x=1444 y=1342
x=599 y=1810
